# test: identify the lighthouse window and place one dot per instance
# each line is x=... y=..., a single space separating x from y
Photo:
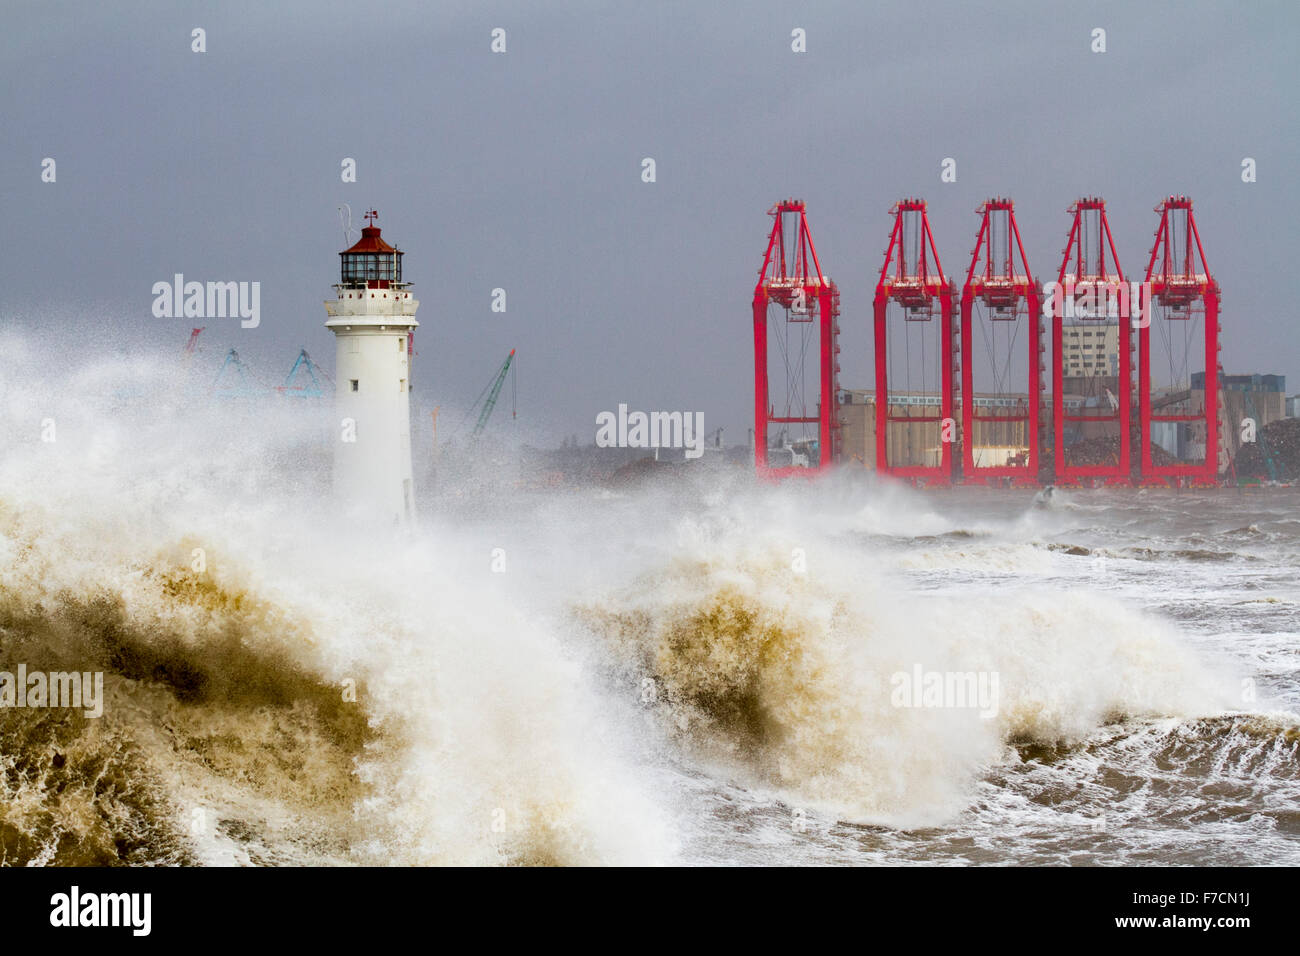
x=362 y=267
x=399 y=345
x=356 y=385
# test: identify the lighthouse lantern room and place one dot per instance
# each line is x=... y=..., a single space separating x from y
x=373 y=318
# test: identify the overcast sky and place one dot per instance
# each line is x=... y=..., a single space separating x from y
x=522 y=170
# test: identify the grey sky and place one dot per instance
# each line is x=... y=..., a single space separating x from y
x=522 y=170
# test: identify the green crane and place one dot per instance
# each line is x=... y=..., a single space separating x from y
x=495 y=391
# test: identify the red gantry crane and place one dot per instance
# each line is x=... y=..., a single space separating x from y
x=918 y=286
x=1093 y=298
x=1008 y=306
x=792 y=298
x=1183 y=297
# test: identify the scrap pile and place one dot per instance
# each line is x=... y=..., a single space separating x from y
x=1278 y=441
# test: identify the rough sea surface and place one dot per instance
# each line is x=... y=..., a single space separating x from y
x=693 y=668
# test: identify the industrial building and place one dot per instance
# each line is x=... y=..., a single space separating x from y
x=1090 y=350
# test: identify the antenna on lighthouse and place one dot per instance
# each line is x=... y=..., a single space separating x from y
x=347 y=223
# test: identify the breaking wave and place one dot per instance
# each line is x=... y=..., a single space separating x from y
x=279 y=688
x=784 y=677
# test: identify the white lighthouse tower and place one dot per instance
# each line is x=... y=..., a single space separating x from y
x=372 y=319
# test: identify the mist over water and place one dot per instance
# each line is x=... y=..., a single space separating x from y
x=693 y=668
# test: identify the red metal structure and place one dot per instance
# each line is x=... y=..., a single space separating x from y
x=917 y=284
x=1008 y=299
x=1182 y=294
x=793 y=288
x=1091 y=291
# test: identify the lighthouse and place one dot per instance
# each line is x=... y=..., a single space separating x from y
x=372 y=318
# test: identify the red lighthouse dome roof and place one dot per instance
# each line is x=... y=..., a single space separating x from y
x=370 y=242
